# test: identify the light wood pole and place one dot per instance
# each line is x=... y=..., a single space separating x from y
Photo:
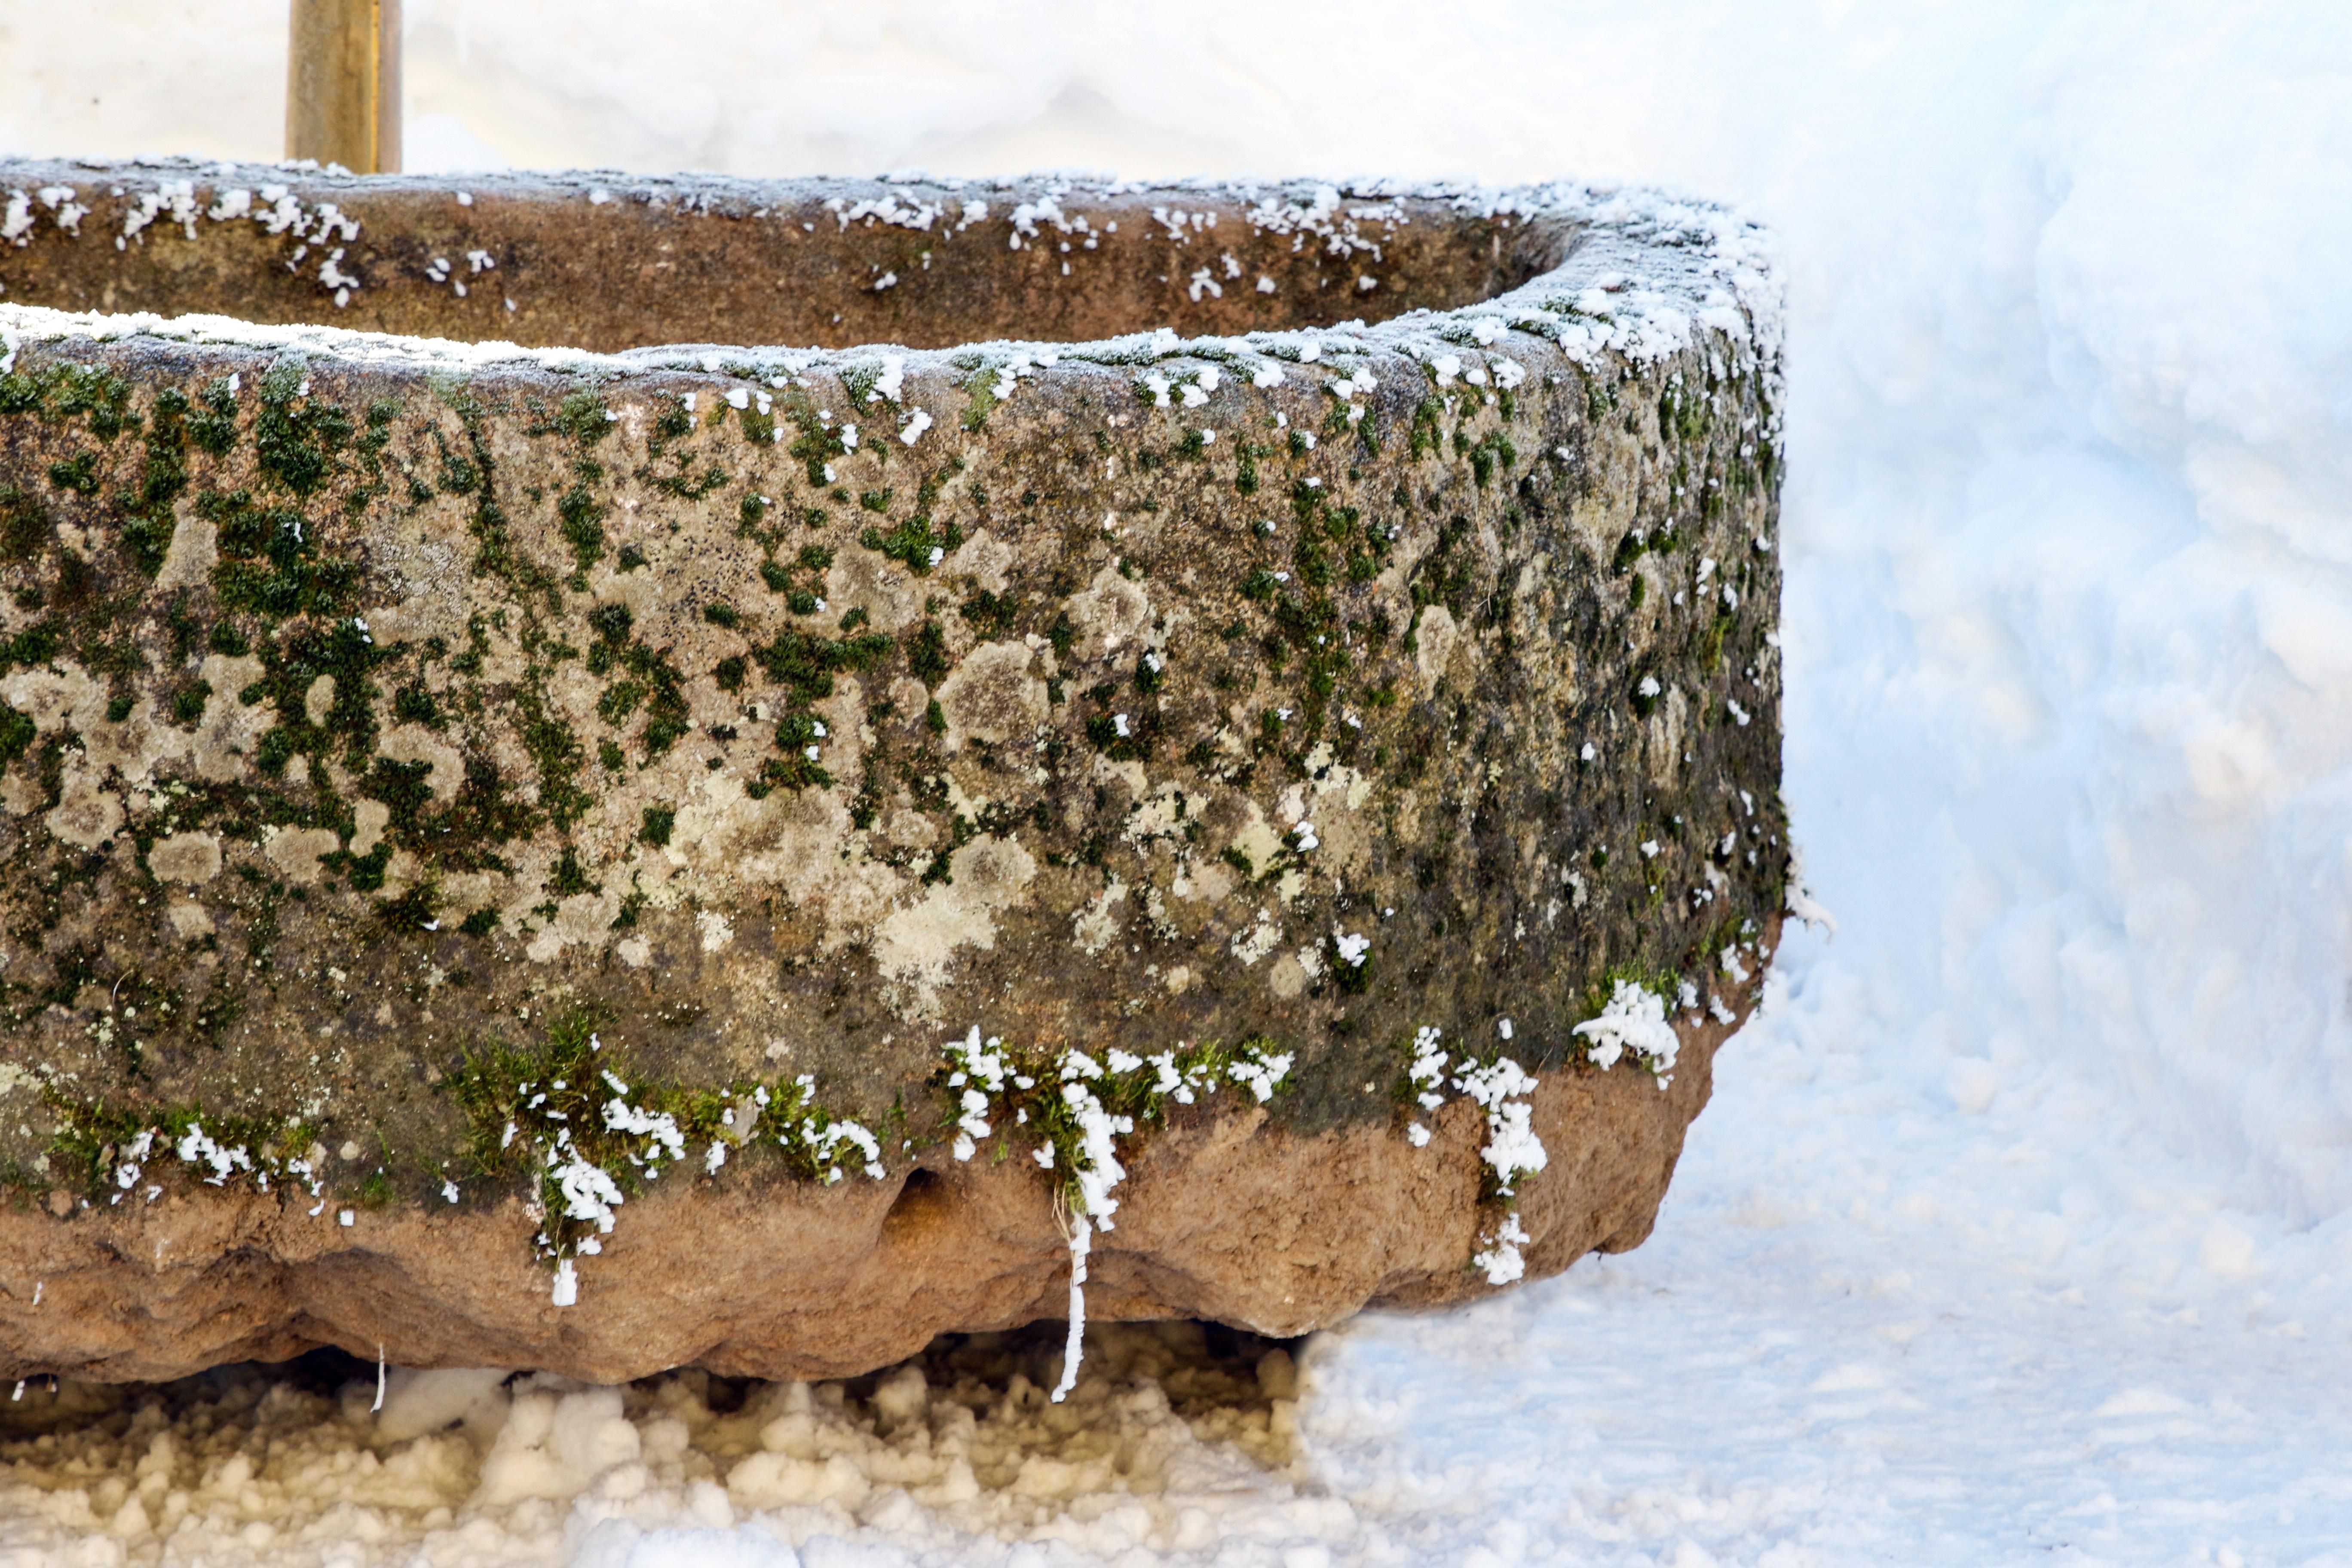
x=342 y=84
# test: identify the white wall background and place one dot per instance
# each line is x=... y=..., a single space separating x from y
x=2069 y=517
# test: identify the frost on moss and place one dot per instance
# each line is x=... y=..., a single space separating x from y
x=590 y=1139
x=567 y=1115
x=1633 y=1022
x=117 y=1149
x=1072 y=1111
x=1512 y=1152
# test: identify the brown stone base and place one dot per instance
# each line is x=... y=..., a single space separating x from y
x=1228 y=1218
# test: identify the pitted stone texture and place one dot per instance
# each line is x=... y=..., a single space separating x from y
x=1233 y=1218
x=369 y=700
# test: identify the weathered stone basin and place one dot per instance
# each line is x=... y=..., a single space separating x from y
x=605 y=855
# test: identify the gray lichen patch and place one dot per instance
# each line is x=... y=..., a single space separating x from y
x=367 y=699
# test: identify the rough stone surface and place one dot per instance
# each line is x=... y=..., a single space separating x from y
x=374 y=711
x=1236 y=1219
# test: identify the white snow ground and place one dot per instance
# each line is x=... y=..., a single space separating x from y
x=2018 y=1231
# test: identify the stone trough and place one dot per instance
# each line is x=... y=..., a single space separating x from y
x=1231 y=773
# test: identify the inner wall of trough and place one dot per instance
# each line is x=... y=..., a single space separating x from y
x=548 y=266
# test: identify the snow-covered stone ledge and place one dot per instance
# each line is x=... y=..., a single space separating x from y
x=606 y=857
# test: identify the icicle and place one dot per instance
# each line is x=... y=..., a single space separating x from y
x=1082 y=1238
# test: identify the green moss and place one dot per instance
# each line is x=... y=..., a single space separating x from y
x=666 y=710
x=1311 y=559
x=365 y=872
x=1138 y=743
x=338 y=649
x=469 y=831
x=568 y=877
x=816 y=446
x=188 y=701
x=296 y=439
x=213 y=422
x=538 y=1112
x=16 y=734
x=583 y=416
x=150 y=525
x=277 y=749
x=495 y=553
x=990 y=614
x=26 y=526
x=659 y=684
x=684 y=484
x=22 y=393
x=980 y=400
x=658 y=822
x=459 y=474
x=913 y=543
x=555 y=751
x=807 y=663
x=1709 y=644
x=102 y=394
x=1684 y=417
x=1245 y=472
x=620 y=700
x=1044 y=1095
x=404 y=792
x=751 y=514
x=1492 y=453
x=270 y=562
x=77 y=473
x=581 y=518
x=1428 y=434
x=414 y=704
x=99 y=1139
x=796 y=737
x=926 y=653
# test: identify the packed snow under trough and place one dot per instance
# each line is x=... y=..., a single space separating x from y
x=1150 y=796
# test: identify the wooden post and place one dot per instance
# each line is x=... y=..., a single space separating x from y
x=342 y=84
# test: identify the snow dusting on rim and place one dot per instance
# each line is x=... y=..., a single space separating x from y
x=1649 y=272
